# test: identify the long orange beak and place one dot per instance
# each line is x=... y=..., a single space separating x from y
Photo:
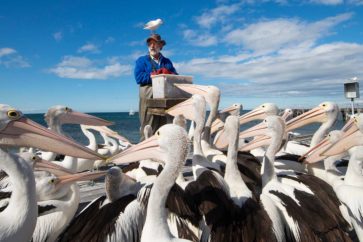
x=231 y=108
x=194 y=89
x=255 y=114
x=24 y=132
x=111 y=133
x=83 y=176
x=216 y=125
x=148 y=149
x=43 y=165
x=314 y=154
x=256 y=143
x=259 y=129
x=185 y=108
x=221 y=140
x=352 y=137
x=317 y=114
x=75 y=117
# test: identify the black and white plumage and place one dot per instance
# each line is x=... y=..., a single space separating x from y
x=296 y=202
x=117 y=216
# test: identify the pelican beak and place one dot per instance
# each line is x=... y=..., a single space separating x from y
x=216 y=125
x=111 y=133
x=314 y=154
x=194 y=89
x=24 y=132
x=256 y=143
x=349 y=124
x=259 y=129
x=83 y=176
x=255 y=114
x=185 y=108
x=317 y=114
x=148 y=149
x=221 y=141
x=43 y=165
x=74 y=117
x=229 y=109
x=352 y=137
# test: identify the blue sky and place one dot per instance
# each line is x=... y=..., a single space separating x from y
x=82 y=53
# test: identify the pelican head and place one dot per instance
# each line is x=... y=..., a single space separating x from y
x=169 y=141
x=353 y=136
x=193 y=108
x=64 y=115
x=50 y=186
x=259 y=113
x=324 y=113
x=314 y=154
x=271 y=126
x=17 y=130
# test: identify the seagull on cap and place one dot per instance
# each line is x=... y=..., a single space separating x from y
x=153 y=24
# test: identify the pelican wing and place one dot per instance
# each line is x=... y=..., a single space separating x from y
x=96 y=222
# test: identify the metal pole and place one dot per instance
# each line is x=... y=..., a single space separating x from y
x=352 y=104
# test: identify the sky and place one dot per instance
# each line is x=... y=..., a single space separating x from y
x=81 y=54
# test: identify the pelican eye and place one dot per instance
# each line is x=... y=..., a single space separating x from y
x=34 y=157
x=52 y=181
x=263 y=106
x=157 y=133
x=67 y=109
x=13 y=114
x=324 y=105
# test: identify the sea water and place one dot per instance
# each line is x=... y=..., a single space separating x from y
x=129 y=125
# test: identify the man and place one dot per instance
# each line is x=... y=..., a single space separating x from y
x=152 y=64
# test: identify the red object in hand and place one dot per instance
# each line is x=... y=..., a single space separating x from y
x=162 y=71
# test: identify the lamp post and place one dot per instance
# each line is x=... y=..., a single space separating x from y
x=351 y=91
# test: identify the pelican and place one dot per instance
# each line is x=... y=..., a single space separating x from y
x=325 y=113
x=18 y=219
x=236 y=214
x=169 y=144
x=197 y=114
x=218 y=123
x=298 y=206
x=58 y=199
x=350 y=192
x=212 y=97
x=58 y=115
x=117 y=216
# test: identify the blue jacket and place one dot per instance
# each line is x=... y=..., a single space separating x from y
x=143 y=68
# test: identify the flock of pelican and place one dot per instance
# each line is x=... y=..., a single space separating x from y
x=245 y=185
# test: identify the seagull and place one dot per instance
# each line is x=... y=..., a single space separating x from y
x=153 y=24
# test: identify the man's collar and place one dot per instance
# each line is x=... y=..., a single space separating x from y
x=160 y=57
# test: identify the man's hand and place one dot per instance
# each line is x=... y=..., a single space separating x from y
x=162 y=71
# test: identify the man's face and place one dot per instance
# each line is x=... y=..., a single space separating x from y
x=154 y=48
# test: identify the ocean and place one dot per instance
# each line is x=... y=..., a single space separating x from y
x=128 y=126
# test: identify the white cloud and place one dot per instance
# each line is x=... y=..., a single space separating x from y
x=6 y=51
x=83 y=68
x=215 y=15
x=328 y=2
x=291 y=72
x=269 y=36
x=88 y=48
x=355 y=2
x=198 y=39
x=10 y=58
x=58 y=36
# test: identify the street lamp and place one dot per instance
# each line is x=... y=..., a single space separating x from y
x=351 y=90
